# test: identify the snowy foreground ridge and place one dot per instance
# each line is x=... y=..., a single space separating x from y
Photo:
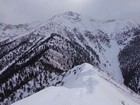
x=87 y=86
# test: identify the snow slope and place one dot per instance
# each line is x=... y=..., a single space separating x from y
x=92 y=32
x=84 y=85
x=72 y=39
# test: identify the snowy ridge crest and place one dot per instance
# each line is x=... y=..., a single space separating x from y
x=87 y=86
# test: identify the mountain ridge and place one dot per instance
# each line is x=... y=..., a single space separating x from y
x=89 y=82
x=44 y=50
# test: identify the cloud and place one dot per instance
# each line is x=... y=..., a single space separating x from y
x=22 y=11
x=116 y=9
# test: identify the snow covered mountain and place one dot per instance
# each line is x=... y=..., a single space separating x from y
x=84 y=85
x=36 y=55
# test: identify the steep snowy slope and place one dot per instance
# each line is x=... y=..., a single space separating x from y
x=89 y=34
x=38 y=63
x=34 y=56
x=84 y=85
x=129 y=59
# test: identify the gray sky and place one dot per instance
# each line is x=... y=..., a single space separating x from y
x=23 y=11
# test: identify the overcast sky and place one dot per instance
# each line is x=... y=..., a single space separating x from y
x=23 y=11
